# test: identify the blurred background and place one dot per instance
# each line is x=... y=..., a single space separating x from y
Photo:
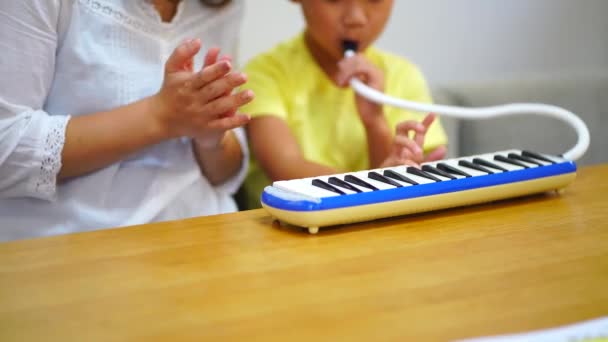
x=485 y=52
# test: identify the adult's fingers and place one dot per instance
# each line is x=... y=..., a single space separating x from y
x=210 y=74
x=211 y=56
x=219 y=107
x=231 y=122
x=226 y=58
x=221 y=87
x=182 y=56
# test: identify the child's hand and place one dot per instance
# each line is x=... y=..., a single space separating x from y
x=358 y=66
x=200 y=104
x=408 y=151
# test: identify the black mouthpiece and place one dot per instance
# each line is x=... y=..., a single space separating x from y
x=350 y=45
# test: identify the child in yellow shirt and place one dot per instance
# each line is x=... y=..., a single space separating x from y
x=308 y=122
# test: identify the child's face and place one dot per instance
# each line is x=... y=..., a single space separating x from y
x=330 y=22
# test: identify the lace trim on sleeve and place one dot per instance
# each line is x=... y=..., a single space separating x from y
x=51 y=156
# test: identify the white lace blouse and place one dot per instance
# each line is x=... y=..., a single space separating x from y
x=62 y=58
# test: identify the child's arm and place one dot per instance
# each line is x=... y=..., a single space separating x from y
x=377 y=129
x=407 y=145
x=278 y=152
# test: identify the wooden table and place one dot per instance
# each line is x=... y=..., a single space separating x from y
x=504 y=267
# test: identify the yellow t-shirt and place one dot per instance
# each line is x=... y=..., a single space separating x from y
x=323 y=117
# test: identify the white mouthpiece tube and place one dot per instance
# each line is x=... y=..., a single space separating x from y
x=570 y=118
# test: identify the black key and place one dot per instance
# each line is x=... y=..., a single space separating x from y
x=432 y=169
x=395 y=175
x=323 y=185
x=486 y=163
x=510 y=161
x=338 y=182
x=470 y=165
x=524 y=159
x=447 y=168
x=418 y=172
x=536 y=156
x=359 y=182
x=380 y=178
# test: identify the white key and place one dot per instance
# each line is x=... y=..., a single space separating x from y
x=380 y=185
x=403 y=170
x=542 y=162
x=360 y=187
x=454 y=163
x=358 y=175
x=470 y=160
x=529 y=165
x=339 y=176
x=490 y=157
x=304 y=186
x=556 y=159
x=434 y=164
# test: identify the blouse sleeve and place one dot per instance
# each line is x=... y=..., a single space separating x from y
x=31 y=140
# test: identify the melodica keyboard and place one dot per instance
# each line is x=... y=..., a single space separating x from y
x=394 y=191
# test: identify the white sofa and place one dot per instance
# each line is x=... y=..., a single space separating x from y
x=585 y=94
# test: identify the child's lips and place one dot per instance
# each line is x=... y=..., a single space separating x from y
x=350 y=44
x=354 y=40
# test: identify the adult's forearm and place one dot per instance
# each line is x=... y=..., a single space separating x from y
x=97 y=140
x=222 y=162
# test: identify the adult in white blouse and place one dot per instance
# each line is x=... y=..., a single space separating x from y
x=109 y=118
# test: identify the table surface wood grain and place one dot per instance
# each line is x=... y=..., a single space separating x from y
x=503 y=267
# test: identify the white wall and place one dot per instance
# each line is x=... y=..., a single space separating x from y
x=464 y=40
